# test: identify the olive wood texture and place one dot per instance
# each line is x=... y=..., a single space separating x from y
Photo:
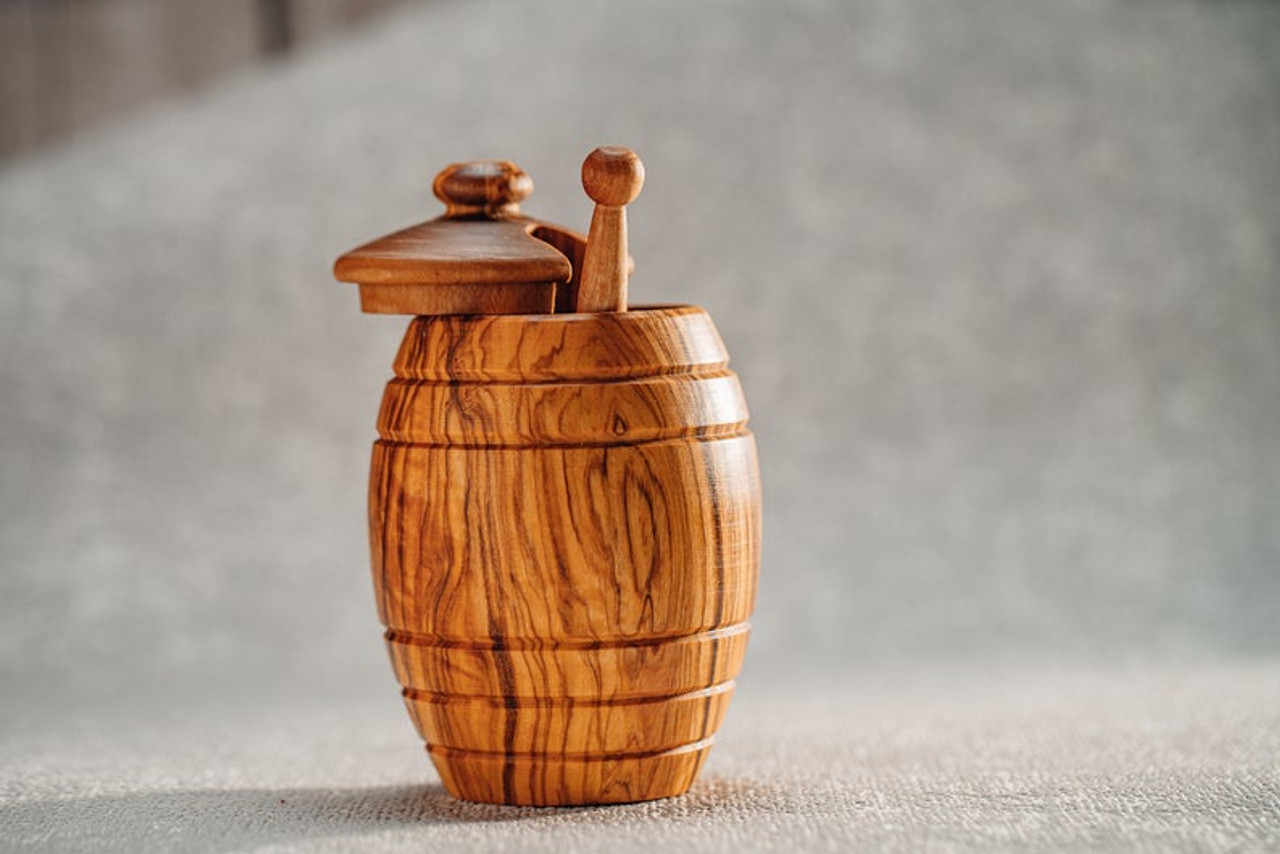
x=565 y=525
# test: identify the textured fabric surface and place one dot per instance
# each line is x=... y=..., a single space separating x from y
x=1000 y=279
x=1179 y=759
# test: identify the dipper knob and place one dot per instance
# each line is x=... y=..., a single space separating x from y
x=612 y=176
x=490 y=189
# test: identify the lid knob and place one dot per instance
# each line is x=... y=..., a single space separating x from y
x=491 y=189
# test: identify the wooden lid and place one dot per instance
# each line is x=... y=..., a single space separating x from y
x=478 y=258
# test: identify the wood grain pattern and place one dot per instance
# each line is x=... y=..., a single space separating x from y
x=565 y=528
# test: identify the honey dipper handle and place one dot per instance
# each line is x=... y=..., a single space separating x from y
x=612 y=177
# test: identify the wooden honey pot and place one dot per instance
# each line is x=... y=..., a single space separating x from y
x=564 y=503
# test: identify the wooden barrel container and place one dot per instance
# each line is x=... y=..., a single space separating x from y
x=564 y=513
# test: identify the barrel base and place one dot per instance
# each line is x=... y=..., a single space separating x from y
x=560 y=781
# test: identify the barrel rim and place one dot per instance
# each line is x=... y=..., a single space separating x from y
x=649 y=341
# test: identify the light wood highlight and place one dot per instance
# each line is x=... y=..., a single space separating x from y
x=565 y=526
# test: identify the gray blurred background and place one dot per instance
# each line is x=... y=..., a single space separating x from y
x=1001 y=280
